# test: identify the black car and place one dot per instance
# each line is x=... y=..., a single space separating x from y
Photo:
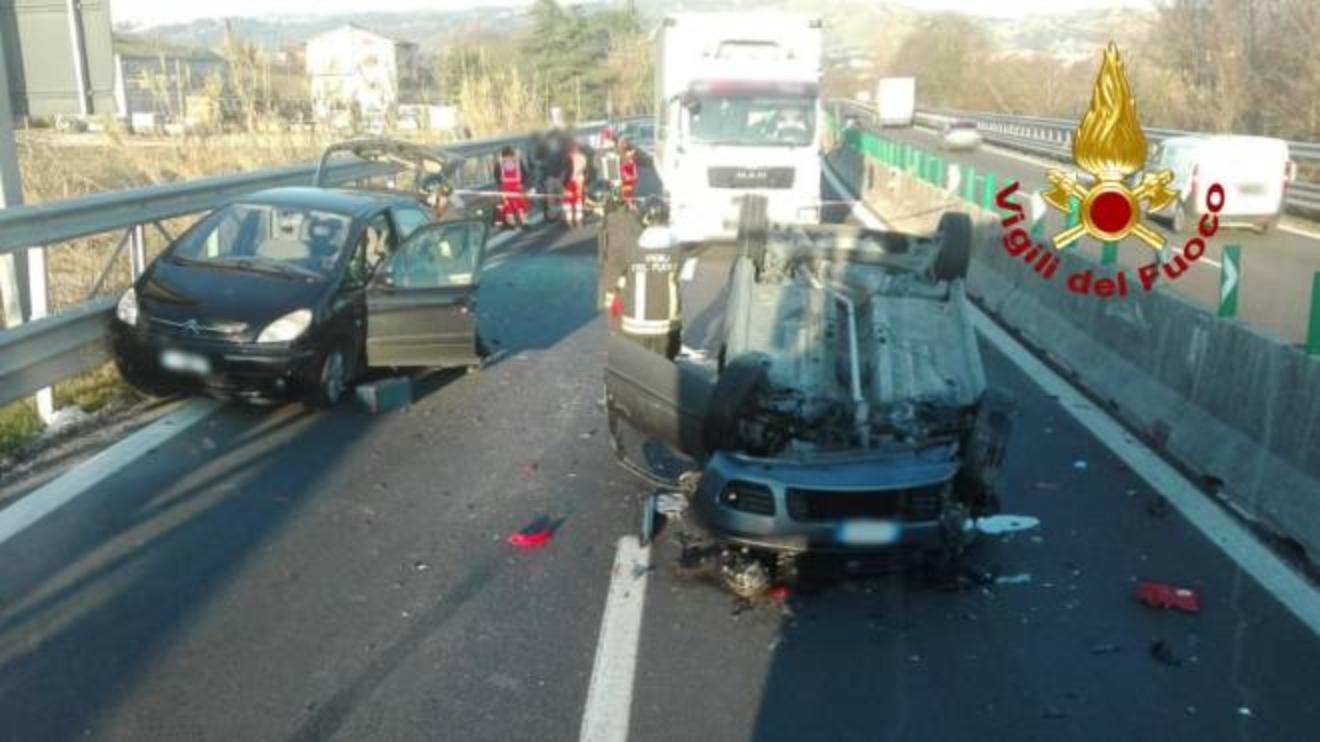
x=296 y=291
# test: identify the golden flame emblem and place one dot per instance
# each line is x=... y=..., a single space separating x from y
x=1110 y=145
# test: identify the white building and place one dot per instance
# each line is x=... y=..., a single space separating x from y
x=351 y=65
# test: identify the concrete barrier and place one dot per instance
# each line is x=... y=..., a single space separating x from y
x=1237 y=408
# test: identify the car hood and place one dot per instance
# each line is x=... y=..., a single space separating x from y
x=230 y=303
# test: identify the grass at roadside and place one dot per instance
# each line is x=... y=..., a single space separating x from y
x=20 y=424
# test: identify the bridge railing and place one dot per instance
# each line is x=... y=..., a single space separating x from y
x=1052 y=138
x=44 y=351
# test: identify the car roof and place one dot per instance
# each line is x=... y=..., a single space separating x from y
x=355 y=203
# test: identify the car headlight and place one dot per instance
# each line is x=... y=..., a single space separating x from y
x=286 y=328
x=127 y=309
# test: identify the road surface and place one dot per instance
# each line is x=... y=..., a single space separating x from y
x=288 y=574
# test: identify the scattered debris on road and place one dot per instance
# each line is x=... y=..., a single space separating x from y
x=1162 y=595
x=1163 y=653
x=996 y=525
x=537 y=534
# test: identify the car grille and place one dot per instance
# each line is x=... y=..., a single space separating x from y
x=911 y=504
x=192 y=328
x=750 y=177
x=749 y=498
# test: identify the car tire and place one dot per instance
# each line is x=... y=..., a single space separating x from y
x=736 y=389
x=332 y=379
x=955 y=254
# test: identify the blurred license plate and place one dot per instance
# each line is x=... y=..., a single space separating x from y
x=867 y=532
x=184 y=362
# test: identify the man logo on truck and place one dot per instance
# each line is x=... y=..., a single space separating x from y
x=1110 y=145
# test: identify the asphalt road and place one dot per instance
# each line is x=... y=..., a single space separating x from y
x=288 y=574
x=1277 y=267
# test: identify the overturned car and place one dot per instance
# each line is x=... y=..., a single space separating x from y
x=849 y=412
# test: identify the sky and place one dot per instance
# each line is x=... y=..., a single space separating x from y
x=154 y=12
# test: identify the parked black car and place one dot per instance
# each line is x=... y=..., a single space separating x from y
x=297 y=291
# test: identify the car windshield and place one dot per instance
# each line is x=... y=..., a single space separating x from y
x=753 y=120
x=270 y=238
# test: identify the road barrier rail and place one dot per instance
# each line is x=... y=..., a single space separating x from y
x=1052 y=138
x=43 y=351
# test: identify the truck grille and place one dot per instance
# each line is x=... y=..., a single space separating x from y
x=912 y=504
x=750 y=177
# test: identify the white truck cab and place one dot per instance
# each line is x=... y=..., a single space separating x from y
x=737 y=113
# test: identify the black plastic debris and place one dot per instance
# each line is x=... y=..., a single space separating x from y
x=1162 y=652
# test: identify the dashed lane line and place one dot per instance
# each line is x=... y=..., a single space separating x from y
x=608 y=710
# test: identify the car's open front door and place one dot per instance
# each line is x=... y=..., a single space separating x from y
x=656 y=397
x=421 y=303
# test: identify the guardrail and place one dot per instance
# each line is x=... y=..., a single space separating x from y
x=1052 y=138
x=41 y=352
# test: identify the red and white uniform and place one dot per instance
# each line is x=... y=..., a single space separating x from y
x=628 y=179
x=575 y=186
x=511 y=184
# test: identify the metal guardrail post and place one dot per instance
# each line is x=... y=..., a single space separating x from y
x=137 y=251
x=1230 y=279
x=969 y=184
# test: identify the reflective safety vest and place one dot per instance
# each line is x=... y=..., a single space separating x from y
x=510 y=174
x=648 y=290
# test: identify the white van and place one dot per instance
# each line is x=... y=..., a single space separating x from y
x=1254 y=171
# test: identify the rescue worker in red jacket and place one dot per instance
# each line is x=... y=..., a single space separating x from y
x=575 y=185
x=509 y=173
x=628 y=175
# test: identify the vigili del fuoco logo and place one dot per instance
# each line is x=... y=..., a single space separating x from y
x=1110 y=147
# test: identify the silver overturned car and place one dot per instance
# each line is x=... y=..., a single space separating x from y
x=849 y=412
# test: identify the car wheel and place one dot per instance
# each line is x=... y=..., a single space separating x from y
x=332 y=379
x=955 y=247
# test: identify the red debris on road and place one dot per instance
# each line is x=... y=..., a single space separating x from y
x=531 y=540
x=1162 y=595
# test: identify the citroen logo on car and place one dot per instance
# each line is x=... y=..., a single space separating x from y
x=192 y=327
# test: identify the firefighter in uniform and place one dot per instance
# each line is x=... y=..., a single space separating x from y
x=639 y=276
x=509 y=173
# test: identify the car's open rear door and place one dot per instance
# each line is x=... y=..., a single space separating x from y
x=421 y=304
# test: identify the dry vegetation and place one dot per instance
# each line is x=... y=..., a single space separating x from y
x=1207 y=65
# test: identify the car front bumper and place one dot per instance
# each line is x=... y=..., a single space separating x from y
x=854 y=503
x=248 y=371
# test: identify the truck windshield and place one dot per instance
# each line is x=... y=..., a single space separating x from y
x=753 y=120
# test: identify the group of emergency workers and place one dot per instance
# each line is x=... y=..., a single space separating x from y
x=565 y=169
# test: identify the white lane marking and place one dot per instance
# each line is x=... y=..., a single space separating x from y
x=1299 y=231
x=689 y=270
x=82 y=478
x=1225 y=532
x=1232 y=538
x=609 y=695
